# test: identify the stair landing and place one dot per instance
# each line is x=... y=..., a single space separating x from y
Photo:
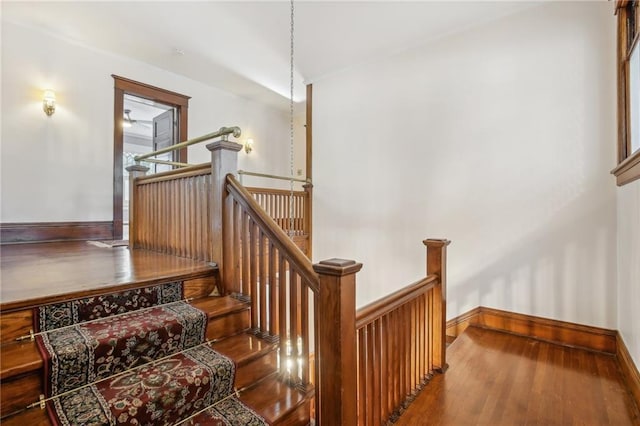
x=41 y=273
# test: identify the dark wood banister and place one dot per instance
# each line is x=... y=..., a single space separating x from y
x=332 y=283
x=279 y=238
x=388 y=303
x=196 y=169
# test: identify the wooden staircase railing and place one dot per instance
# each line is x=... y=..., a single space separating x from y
x=262 y=262
x=290 y=210
x=399 y=337
x=306 y=308
x=170 y=212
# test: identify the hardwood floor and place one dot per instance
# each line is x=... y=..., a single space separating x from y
x=33 y=273
x=496 y=378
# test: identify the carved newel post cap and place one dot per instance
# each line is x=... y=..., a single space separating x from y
x=337 y=267
x=137 y=168
x=224 y=145
x=435 y=242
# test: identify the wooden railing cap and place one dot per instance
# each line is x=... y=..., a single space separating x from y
x=227 y=145
x=435 y=242
x=137 y=168
x=337 y=267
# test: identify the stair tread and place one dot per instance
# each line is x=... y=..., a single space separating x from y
x=243 y=348
x=273 y=399
x=23 y=357
x=218 y=306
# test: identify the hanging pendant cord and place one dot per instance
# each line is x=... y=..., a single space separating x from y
x=291 y=121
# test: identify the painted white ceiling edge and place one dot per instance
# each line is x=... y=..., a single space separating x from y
x=243 y=47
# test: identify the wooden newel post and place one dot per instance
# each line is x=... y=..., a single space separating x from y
x=135 y=171
x=224 y=161
x=336 y=351
x=437 y=265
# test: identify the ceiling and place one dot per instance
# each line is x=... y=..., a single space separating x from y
x=243 y=46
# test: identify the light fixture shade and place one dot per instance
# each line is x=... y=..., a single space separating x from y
x=49 y=102
x=248 y=146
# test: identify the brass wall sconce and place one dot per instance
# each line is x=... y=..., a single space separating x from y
x=49 y=102
x=248 y=146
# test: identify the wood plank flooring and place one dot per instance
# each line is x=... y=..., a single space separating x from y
x=34 y=273
x=495 y=378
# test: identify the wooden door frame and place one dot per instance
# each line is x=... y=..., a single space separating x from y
x=124 y=86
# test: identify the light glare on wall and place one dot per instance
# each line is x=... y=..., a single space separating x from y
x=49 y=102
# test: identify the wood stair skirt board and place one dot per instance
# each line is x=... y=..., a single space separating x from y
x=12 y=233
x=559 y=332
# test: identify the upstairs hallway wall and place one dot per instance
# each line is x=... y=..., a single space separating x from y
x=500 y=138
x=59 y=168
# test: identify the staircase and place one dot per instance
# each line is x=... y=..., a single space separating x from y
x=257 y=380
x=279 y=310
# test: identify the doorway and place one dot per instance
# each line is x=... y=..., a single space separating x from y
x=143 y=101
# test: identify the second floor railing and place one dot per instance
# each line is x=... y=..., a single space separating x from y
x=368 y=363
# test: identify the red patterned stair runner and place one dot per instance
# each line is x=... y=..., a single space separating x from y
x=135 y=357
x=161 y=393
x=81 y=354
x=229 y=411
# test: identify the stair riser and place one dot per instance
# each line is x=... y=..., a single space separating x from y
x=228 y=325
x=19 y=392
x=35 y=417
x=299 y=416
x=256 y=370
x=15 y=324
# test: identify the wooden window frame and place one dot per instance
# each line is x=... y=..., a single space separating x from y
x=124 y=86
x=628 y=168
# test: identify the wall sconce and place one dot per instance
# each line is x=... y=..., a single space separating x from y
x=49 y=102
x=248 y=146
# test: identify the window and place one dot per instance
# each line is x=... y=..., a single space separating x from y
x=628 y=92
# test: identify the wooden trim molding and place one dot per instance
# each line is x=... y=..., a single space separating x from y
x=36 y=232
x=560 y=332
x=629 y=369
x=456 y=326
x=628 y=170
x=628 y=33
x=124 y=86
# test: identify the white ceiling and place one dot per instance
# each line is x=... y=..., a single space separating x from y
x=243 y=46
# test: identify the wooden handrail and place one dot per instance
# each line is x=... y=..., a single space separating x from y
x=384 y=305
x=277 y=177
x=278 y=237
x=195 y=170
x=256 y=190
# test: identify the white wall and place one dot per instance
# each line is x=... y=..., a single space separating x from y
x=59 y=168
x=629 y=267
x=501 y=139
